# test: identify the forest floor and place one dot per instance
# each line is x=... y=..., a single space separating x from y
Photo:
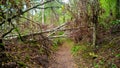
x=63 y=57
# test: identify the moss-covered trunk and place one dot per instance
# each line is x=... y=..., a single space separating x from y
x=118 y=9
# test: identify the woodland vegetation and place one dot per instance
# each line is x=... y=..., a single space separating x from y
x=31 y=31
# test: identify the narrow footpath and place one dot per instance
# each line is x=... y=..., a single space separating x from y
x=63 y=57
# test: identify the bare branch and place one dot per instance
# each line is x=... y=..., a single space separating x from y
x=47 y=31
x=21 y=13
x=55 y=29
x=19 y=35
x=49 y=7
x=27 y=19
x=7 y=33
x=37 y=6
x=59 y=36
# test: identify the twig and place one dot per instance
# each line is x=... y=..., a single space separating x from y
x=17 y=15
x=7 y=33
x=37 y=6
x=19 y=35
x=55 y=29
x=27 y=19
x=59 y=36
x=49 y=7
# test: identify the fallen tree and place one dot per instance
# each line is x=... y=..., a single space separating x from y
x=8 y=37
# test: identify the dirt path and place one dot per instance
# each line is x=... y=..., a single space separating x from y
x=63 y=57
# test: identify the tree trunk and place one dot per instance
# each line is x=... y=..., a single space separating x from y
x=118 y=9
x=43 y=10
x=2 y=48
x=28 y=13
x=94 y=34
x=95 y=14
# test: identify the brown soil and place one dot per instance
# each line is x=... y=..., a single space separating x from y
x=63 y=57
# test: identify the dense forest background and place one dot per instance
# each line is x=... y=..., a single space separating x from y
x=31 y=31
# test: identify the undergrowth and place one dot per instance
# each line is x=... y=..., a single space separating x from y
x=56 y=43
x=106 y=56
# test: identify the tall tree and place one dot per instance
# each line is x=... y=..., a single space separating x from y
x=95 y=14
x=43 y=10
x=118 y=9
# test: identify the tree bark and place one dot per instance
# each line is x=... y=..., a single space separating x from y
x=43 y=10
x=2 y=48
x=47 y=31
x=95 y=14
x=118 y=9
x=94 y=34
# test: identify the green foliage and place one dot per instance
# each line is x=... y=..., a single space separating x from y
x=75 y=49
x=55 y=46
x=56 y=43
x=99 y=64
x=22 y=64
x=113 y=66
x=1 y=44
x=96 y=65
x=115 y=22
x=102 y=62
x=41 y=50
x=107 y=12
x=27 y=57
x=118 y=55
x=57 y=14
x=92 y=54
x=108 y=7
x=61 y=32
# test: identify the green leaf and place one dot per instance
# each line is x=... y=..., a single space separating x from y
x=118 y=55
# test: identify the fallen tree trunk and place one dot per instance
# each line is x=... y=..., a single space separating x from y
x=59 y=36
x=33 y=34
x=43 y=32
x=57 y=28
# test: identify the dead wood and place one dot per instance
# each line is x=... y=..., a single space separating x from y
x=10 y=37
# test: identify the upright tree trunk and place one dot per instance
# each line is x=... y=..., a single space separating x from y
x=2 y=49
x=43 y=12
x=28 y=13
x=118 y=9
x=94 y=34
x=95 y=14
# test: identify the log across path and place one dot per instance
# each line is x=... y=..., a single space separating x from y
x=63 y=57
